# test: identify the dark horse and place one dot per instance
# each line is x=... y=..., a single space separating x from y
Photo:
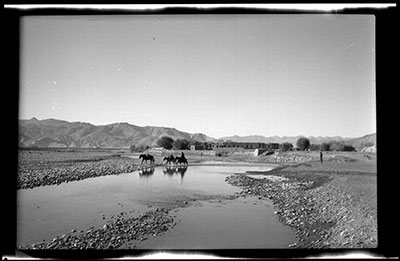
x=169 y=159
x=180 y=160
x=146 y=157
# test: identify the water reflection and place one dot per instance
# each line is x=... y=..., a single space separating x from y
x=146 y=172
x=171 y=170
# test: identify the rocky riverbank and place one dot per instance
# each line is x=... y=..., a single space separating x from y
x=114 y=233
x=33 y=174
x=325 y=210
x=284 y=158
x=40 y=168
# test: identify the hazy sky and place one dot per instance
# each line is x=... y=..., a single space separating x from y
x=219 y=75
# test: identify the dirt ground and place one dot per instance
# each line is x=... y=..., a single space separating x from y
x=339 y=207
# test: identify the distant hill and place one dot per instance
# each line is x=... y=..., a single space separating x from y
x=358 y=143
x=58 y=133
x=364 y=141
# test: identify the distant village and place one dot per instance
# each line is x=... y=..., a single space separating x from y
x=225 y=148
x=228 y=147
x=233 y=145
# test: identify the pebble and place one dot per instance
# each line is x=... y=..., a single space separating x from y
x=285 y=158
x=113 y=234
x=305 y=210
x=32 y=175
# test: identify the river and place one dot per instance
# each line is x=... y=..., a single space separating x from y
x=208 y=214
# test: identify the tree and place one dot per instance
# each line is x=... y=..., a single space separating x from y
x=195 y=142
x=335 y=145
x=142 y=147
x=315 y=147
x=285 y=146
x=325 y=146
x=180 y=144
x=349 y=148
x=138 y=148
x=165 y=142
x=303 y=143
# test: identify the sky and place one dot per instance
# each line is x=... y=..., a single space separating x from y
x=220 y=75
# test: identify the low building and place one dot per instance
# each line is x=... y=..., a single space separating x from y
x=245 y=145
x=197 y=147
x=208 y=145
x=272 y=146
x=258 y=152
x=159 y=151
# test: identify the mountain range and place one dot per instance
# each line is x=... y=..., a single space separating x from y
x=60 y=133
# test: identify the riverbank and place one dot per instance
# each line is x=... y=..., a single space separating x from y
x=329 y=205
x=53 y=167
x=41 y=167
x=114 y=233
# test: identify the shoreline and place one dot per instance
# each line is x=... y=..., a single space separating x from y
x=319 y=205
x=49 y=171
x=325 y=204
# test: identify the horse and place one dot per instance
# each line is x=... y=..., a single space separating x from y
x=180 y=160
x=146 y=157
x=170 y=159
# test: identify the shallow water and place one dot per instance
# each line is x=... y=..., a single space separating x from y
x=232 y=224
x=49 y=211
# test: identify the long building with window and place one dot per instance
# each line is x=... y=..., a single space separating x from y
x=245 y=145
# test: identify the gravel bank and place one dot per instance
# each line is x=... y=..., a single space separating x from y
x=284 y=158
x=40 y=168
x=33 y=175
x=53 y=169
x=113 y=234
x=326 y=211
